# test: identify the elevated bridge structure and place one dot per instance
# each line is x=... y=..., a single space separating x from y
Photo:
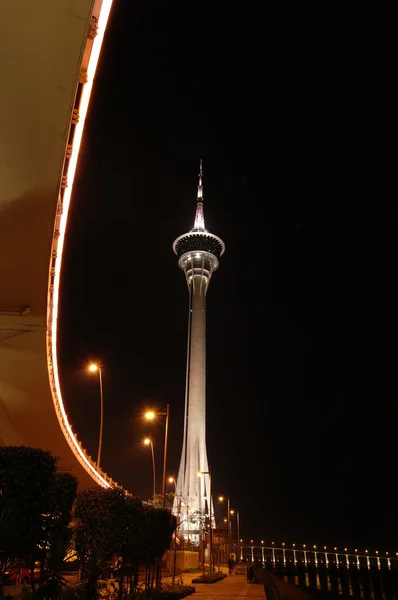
x=49 y=52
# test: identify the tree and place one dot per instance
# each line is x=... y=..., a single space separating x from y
x=114 y=524
x=25 y=478
x=157 y=500
x=13 y=538
x=56 y=532
x=160 y=527
x=96 y=535
x=131 y=525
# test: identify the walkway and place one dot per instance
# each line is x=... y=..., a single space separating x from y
x=233 y=586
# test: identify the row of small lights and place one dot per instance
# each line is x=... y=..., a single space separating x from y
x=315 y=547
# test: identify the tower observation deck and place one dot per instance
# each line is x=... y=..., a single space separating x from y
x=198 y=254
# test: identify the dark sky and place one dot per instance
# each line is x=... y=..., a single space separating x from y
x=289 y=119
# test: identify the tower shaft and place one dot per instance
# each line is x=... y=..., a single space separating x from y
x=194 y=454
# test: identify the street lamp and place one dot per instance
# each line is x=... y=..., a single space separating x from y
x=210 y=516
x=221 y=499
x=94 y=368
x=177 y=530
x=233 y=512
x=238 y=532
x=148 y=442
x=151 y=415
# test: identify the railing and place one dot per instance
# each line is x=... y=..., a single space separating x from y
x=318 y=556
x=271 y=591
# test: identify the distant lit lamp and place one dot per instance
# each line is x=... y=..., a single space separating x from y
x=93 y=368
x=151 y=415
x=208 y=492
x=221 y=499
x=148 y=442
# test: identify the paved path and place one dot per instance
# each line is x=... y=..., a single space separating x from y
x=230 y=588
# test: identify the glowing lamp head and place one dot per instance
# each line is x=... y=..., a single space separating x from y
x=93 y=368
x=221 y=498
x=232 y=512
x=171 y=479
x=147 y=441
x=150 y=415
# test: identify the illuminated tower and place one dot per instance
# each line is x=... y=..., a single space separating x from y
x=198 y=254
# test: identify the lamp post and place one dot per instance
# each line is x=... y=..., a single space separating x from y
x=233 y=512
x=172 y=480
x=148 y=442
x=210 y=517
x=150 y=415
x=221 y=499
x=238 y=532
x=93 y=368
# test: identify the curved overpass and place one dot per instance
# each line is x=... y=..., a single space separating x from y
x=49 y=51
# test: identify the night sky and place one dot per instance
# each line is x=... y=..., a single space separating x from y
x=290 y=122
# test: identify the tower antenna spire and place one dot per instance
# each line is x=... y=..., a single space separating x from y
x=199 y=224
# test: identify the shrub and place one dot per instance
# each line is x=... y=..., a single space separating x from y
x=174 y=591
x=209 y=578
